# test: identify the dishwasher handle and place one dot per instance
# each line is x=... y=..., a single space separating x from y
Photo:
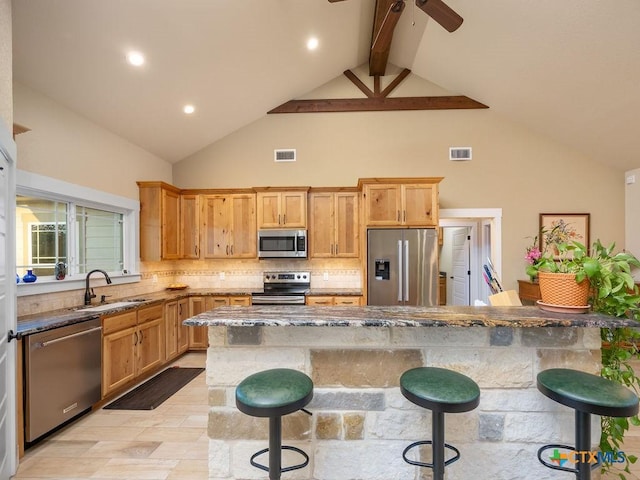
x=67 y=337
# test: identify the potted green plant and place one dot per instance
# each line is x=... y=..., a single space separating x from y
x=612 y=291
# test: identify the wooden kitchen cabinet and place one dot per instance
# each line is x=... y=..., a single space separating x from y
x=150 y=352
x=282 y=208
x=334 y=224
x=176 y=334
x=132 y=345
x=229 y=226
x=189 y=233
x=442 y=290
x=159 y=221
x=410 y=202
x=333 y=300
x=199 y=336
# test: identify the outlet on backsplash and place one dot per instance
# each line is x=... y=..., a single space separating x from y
x=325 y=276
x=221 y=276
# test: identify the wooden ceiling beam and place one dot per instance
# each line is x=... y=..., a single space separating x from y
x=385 y=18
x=378 y=104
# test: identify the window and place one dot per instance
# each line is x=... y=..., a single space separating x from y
x=82 y=228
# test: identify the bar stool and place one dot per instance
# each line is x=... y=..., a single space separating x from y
x=586 y=394
x=441 y=391
x=274 y=393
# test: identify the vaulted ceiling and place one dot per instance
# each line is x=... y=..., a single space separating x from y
x=569 y=70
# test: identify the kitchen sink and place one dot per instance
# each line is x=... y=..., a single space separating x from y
x=111 y=306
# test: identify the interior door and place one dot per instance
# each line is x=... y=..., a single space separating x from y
x=7 y=312
x=461 y=266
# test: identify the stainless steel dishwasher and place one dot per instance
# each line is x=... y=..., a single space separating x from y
x=62 y=375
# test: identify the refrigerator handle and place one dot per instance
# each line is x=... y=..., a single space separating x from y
x=400 y=267
x=406 y=270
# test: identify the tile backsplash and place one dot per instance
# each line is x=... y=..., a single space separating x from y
x=214 y=274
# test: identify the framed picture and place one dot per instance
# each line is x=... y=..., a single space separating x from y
x=563 y=228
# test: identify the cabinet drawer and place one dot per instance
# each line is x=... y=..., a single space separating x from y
x=118 y=322
x=347 y=300
x=149 y=313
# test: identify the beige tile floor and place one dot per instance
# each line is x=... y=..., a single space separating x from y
x=168 y=443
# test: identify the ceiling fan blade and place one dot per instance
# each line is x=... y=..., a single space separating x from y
x=334 y=1
x=382 y=41
x=441 y=13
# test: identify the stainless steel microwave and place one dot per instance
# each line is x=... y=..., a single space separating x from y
x=274 y=243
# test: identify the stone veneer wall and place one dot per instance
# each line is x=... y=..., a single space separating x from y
x=361 y=422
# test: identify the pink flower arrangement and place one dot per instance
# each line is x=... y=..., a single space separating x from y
x=533 y=254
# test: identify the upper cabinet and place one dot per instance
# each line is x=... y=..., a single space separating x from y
x=159 y=221
x=229 y=225
x=282 y=208
x=392 y=202
x=189 y=226
x=334 y=223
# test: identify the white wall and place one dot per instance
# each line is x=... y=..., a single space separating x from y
x=6 y=72
x=67 y=146
x=632 y=213
x=513 y=168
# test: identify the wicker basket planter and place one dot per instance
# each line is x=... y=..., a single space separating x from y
x=562 y=289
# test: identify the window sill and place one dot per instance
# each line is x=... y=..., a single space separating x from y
x=79 y=283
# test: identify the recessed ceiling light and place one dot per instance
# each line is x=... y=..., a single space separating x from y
x=312 y=43
x=135 y=58
x=188 y=109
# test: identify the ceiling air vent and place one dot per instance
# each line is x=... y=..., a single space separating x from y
x=460 y=153
x=284 y=155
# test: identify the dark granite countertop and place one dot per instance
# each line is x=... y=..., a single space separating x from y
x=334 y=292
x=39 y=322
x=374 y=316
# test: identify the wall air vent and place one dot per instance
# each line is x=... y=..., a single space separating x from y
x=460 y=153
x=284 y=155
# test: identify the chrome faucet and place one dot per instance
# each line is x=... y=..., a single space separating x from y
x=88 y=292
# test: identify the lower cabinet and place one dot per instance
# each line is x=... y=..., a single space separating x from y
x=354 y=300
x=132 y=344
x=176 y=334
x=199 y=336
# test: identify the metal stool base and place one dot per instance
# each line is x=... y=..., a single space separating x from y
x=429 y=465
x=282 y=470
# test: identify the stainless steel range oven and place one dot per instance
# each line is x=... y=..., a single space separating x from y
x=283 y=288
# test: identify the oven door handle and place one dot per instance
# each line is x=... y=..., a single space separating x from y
x=73 y=335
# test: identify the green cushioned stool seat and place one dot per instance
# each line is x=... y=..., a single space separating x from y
x=274 y=393
x=279 y=391
x=587 y=394
x=441 y=391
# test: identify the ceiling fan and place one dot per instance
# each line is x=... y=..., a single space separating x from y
x=386 y=17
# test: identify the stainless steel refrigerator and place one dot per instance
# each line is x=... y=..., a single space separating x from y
x=402 y=266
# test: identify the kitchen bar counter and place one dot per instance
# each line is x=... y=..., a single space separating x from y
x=355 y=356
x=374 y=316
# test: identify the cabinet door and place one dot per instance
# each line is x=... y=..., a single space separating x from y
x=419 y=205
x=118 y=359
x=150 y=351
x=269 y=215
x=382 y=204
x=171 y=330
x=198 y=336
x=321 y=225
x=347 y=300
x=294 y=209
x=322 y=300
x=243 y=226
x=240 y=301
x=216 y=226
x=347 y=225
x=183 y=331
x=190 y=226
x=170 y=222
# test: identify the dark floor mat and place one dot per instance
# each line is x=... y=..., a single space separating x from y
x=156 y=390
